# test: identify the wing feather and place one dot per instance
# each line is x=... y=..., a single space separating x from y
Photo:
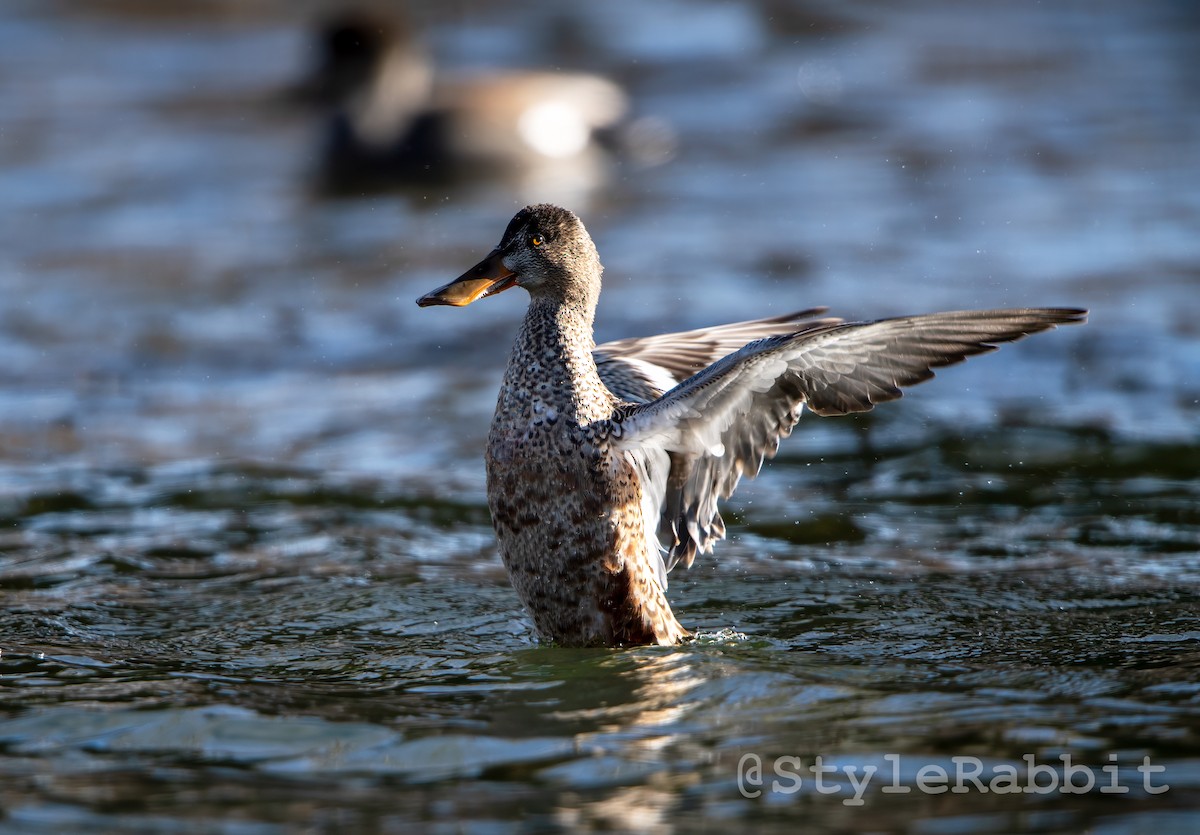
x=702 y=436
x=640 y=369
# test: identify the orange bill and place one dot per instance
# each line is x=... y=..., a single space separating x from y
x=487 y=278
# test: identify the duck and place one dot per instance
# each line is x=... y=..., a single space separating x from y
x=394 y=120
x=606 y=464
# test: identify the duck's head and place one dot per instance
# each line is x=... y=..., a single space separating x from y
x=545 y=249
x=357 y=48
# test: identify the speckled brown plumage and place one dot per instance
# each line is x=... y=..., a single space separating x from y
x=605 y=465
x=565 y=505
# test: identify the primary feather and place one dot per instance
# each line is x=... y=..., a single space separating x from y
x=694 y=443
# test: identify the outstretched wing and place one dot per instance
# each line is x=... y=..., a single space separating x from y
x=642 y=368
x=692 y=445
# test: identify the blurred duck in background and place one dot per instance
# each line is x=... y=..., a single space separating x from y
x=395 y=122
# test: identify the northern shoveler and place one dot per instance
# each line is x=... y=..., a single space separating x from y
x=605 y=464
x=397 y=121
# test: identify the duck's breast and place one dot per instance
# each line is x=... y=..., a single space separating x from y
x=568 y=516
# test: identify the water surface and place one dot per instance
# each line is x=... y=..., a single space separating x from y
x=248 y=578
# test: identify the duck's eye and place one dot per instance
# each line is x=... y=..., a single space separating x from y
x=537 y=240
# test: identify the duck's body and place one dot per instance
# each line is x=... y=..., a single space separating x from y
x=397 y=121
x=566 y=505
x=600 y=480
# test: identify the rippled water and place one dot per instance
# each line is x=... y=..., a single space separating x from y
x=248 y=578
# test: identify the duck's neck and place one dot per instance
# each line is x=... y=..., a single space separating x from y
x=552 y=369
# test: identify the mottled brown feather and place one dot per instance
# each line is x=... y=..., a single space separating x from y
x=597 y=458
